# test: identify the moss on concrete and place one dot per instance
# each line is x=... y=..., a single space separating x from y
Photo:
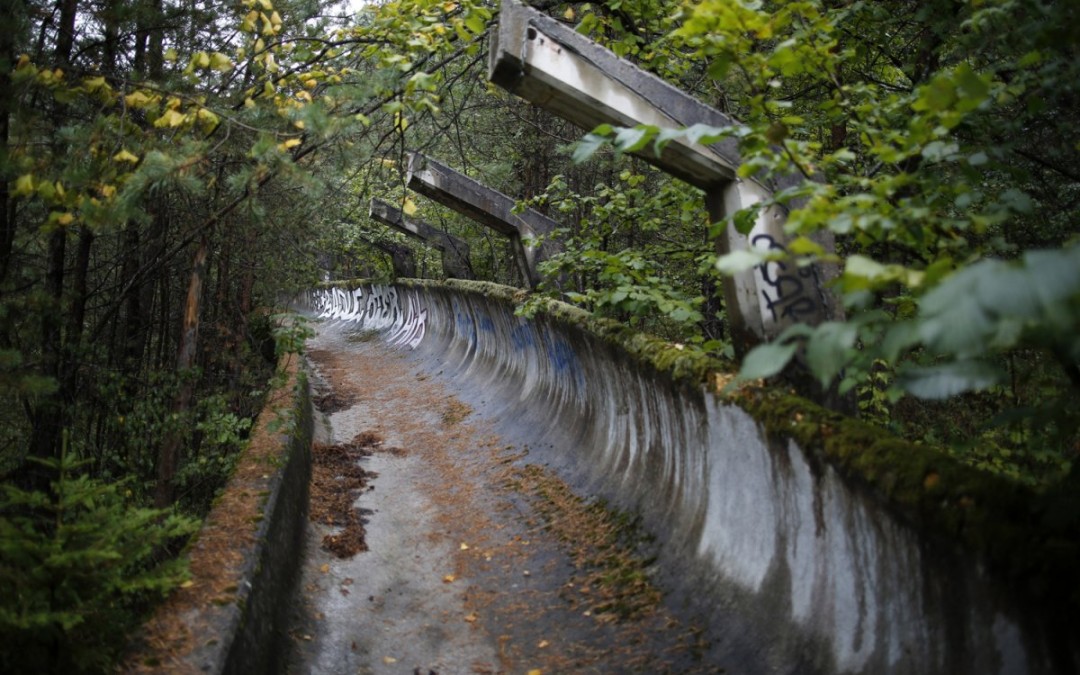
x=1030 y=537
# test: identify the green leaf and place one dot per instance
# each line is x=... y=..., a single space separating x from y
x=830 y=349
x=740 y=261
x=587 y=147
x=634 y=138
x=767 y=360
x=950 y=379
x=745 y=220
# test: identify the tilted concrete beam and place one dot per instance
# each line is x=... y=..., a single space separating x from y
x=550 y=65
x=454 y=250
x=487 y=207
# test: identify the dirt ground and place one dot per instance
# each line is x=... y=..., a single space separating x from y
x=436 y=547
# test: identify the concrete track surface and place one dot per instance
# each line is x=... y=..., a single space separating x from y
x=478 y=561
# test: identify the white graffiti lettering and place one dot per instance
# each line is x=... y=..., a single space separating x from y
x=400 y=314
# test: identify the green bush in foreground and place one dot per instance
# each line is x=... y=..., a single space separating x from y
x=78 y=564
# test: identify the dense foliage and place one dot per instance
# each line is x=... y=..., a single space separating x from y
x=938 y=142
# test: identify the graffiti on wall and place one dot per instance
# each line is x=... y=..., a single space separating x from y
x=789 y=292
x=376 y=307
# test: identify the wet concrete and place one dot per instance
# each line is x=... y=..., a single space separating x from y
x=463 y=574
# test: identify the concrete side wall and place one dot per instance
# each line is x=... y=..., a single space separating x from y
x=245 y=560
x=797 y=566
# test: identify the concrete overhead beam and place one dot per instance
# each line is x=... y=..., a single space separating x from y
x=548 y=63
x=454 y=250
x=487 y=207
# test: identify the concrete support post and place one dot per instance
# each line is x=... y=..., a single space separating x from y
x=401 y=257
x=454 y=250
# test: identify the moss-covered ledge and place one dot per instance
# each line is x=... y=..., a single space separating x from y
x=230 y=617
x=1029 y=537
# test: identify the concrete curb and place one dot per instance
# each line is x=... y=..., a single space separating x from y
x=231 y=619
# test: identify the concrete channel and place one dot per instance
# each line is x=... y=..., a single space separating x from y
x=776 y=537
x=462 y=572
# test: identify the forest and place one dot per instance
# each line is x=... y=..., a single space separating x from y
x=174 y=170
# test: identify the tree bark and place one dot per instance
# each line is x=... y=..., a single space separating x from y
x=169 y=454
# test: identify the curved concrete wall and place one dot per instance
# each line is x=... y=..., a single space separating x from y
x=798 y=567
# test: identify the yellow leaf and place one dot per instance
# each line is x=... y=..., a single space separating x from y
x=24 y=185
x=569 y=14
x=170 y=55
x=543 y=644
x=220 y=62
x=126 y=156
x=291 y=143
x=187 y=584
x=389 y=659
x=266 y=4
x=299 y=124
x=449 y=579
x=275 y=19
x=409 y=208
x=471 y=618
x=92 y=84
x=536 y=671
x=170 y=118
x=24 y=60
x=324 y=569
x=464 y=546
x=249 y=102
x=65 y=218
x=108 y=191
x=140 y=99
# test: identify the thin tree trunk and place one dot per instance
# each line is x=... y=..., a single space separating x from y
x=169 y=455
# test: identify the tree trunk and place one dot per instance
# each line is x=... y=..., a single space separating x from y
x=169 y=455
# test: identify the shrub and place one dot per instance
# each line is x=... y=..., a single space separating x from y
x=79 y=563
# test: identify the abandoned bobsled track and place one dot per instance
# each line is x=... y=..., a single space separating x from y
x=473 y=559
x=768 y=556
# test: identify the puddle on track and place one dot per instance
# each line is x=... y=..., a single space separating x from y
x=461 y=575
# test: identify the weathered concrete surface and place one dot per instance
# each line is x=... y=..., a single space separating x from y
x=461 y=575
x=530 y=231
x=552 y=65
x=454 y=250
x=804 y=567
